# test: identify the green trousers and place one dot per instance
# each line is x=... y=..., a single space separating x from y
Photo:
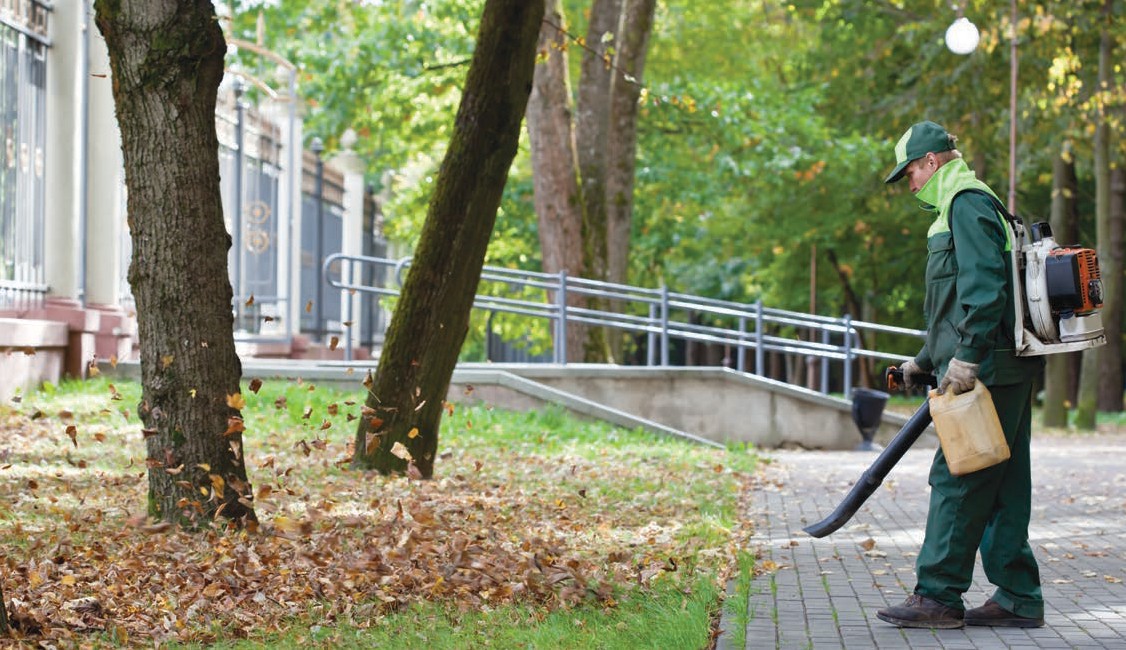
x=987 y=510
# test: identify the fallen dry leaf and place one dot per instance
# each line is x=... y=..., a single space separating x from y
x=400 y=451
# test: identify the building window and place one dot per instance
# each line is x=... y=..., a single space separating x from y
x=23 y=95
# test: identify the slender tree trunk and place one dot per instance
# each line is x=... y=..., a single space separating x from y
x=1089 y=376
x=555 y=166
x=1057 y=374
x=3 y=614
x=593 y=126
x=633 y=45
x=167 y=61
x=592 y=132
x=400 y=429
x=852 y=306
x=1110 y=361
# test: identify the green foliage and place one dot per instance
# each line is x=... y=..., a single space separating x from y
x=741 y=171
x=389 y=70
x=765 y=131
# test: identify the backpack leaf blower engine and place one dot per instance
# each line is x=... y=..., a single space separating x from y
x=1062 y=292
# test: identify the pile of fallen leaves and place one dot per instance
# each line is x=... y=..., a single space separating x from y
x=502 y=523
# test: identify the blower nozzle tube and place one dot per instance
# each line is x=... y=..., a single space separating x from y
x=874 y=475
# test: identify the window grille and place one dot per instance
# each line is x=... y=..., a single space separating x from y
x=23 y=109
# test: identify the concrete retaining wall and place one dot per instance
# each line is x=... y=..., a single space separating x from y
x=714 y=403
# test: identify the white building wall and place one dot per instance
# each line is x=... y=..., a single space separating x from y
x=62 y=168
x=106 y=229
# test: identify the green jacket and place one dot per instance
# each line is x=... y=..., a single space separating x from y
x=969 y=302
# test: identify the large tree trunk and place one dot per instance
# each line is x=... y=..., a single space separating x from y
x=1110 y=362
x=167 y=61
x=592 y=134
x=1089 y=376
x=1060 y=367
x=400 y=429
x=558 y=198
x=633 y=44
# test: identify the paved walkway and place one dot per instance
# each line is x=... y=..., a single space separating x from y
x=824 y=593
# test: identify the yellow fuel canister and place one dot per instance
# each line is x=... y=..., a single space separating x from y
x=968 y=429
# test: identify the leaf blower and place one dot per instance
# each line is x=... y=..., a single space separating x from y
x=1061 y=292
x=874 y=476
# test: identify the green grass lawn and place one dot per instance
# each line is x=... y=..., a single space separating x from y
x=580 y=534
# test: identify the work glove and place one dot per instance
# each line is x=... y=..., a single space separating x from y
x=909 y=368
x=960 y=377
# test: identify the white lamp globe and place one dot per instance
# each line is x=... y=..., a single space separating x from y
x=962 y=36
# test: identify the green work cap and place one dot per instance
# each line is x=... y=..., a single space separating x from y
x=918 y=141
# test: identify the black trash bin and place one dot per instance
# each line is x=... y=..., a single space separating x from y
x=867 y=411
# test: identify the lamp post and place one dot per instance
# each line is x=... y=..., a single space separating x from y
x=317 y=147
x=1013 y=107
x=962 y=38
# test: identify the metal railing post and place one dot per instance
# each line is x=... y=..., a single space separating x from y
x=561 y=329
x=664 y=325
x=740 y=364
x=848 y=355
x=759 y=338
x=651 y=348
x=346 y=330
x=825 y=364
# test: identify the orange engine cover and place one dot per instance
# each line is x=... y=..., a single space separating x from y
x=1074 y=282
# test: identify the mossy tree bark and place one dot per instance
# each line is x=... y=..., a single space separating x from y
x=632 y=47
x=592 y=133
x=1111 y=263
x=400 y=428
x=1060 y=367
x=558 y=197
x=166 y=58
x=1087 y=402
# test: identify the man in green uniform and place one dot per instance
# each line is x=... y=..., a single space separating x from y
x=969 y=315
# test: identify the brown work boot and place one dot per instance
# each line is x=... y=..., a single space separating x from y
x=920 y=611
x=994 y=615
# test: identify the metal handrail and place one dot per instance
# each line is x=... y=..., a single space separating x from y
x=658 y=322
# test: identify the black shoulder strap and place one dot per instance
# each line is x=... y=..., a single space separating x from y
x=1012 y=220
x=1000 y=207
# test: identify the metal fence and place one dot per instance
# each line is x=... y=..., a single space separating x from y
x=659 y=315
x=322 y=233
x=23 y=108
x=249 y=159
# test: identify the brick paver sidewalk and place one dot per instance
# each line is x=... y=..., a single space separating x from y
x=824 y=593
